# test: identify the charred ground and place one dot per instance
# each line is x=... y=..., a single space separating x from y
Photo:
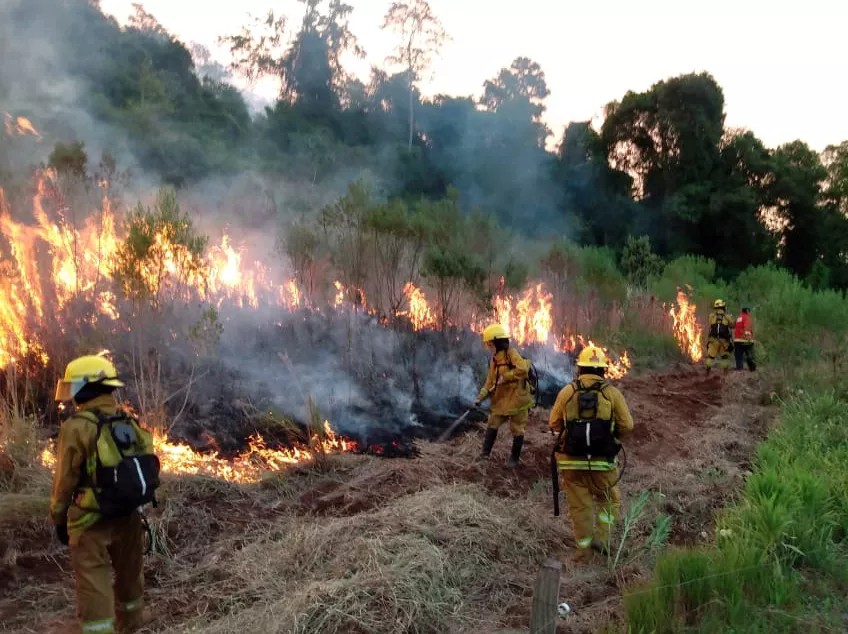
x=692 y=445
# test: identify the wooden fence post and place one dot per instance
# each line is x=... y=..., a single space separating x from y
x=546 y=598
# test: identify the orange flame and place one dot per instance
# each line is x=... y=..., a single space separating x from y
x=248 y=467
x=617 y=368
x=19 y=126
x=354 y=294
x=65 y=260
x=419 y=314
x=528 y=318
x=687 y=331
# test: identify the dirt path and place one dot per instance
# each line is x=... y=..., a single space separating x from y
x=694 y=438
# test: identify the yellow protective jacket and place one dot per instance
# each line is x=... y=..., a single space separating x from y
x=728 y=319
x=507 y=385
x=70 y=502
x=565 y=408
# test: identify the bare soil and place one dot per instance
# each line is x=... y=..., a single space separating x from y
x=693 y=443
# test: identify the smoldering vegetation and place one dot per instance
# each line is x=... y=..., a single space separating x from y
x=381 y=386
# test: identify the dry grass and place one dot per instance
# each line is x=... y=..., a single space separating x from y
x=441 y=560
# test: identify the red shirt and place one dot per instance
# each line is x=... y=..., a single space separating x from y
x=743 y=330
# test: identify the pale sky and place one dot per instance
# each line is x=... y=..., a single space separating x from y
x=783 y=66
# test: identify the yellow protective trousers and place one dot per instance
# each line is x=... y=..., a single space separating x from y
x=113 y=544
x=718 y=349
x=594 y=502
x=517 y=422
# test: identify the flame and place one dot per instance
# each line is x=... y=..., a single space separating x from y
x=355 y=294
x=687 y=331
x=57 y=257
x=248 y=467
x=292 y=296
x=419 y=314
x=618 y=365
x=19 y=126
x=527 y=318
x=229 y=278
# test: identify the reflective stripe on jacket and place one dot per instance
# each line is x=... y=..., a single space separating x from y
x=506 y=384
x=565 y=408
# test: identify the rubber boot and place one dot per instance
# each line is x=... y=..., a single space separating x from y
x=517 y=444
x=488 y=442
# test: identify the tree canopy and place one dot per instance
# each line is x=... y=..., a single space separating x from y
x=662 y=168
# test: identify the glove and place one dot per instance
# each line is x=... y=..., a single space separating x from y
x=62 y=534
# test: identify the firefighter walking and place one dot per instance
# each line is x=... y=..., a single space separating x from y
x=743 y=341
x=590 y=416
x=719 y=343
x=102 y=524
x=507 y=385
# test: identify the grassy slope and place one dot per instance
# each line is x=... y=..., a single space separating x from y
x=780 y=562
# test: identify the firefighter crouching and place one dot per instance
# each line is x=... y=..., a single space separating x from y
x=105 y=470
x=719 y=343
x=508 y=387
x=590 y=415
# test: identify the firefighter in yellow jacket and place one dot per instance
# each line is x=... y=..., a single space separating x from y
x=508 y=387
x=99 y=545
x=590 y=416
x=720 y=336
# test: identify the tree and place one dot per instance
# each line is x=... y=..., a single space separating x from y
x=667 y=139
x=69 y=160
x=421 y=36
x=638 y=261
x=518 y=93
x=835 y=160
x=732 y=229
x=796 y=191
x=310 y=69
x=162 y=255
x=596 y=196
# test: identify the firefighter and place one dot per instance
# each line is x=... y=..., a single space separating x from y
x=99 y=546
x=508 y=387
x=590 y=416
x=719 y=341
x=743 y=341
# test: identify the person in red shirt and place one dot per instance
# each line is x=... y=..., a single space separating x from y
x=743 y=341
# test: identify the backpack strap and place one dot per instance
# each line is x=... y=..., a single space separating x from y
x=101 y=420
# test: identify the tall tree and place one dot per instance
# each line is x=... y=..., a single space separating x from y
x=668 y=139
x=519 y=92
x=596 y=196
x=835 y=159
x=310 y=68
x=796 y=192
x=421 y=36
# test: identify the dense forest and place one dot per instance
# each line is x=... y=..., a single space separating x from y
x=663 y=176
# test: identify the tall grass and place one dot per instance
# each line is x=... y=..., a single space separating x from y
x=781 y=549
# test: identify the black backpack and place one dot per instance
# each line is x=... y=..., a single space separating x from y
x=590 y=436
x=125 y=474
x=721 y=328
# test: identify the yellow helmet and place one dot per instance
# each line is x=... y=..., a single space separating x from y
x=719 y=303
x=495 y=331
x=592 y=357
x=84 y=370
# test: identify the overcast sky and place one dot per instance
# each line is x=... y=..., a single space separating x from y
x=782 y=65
